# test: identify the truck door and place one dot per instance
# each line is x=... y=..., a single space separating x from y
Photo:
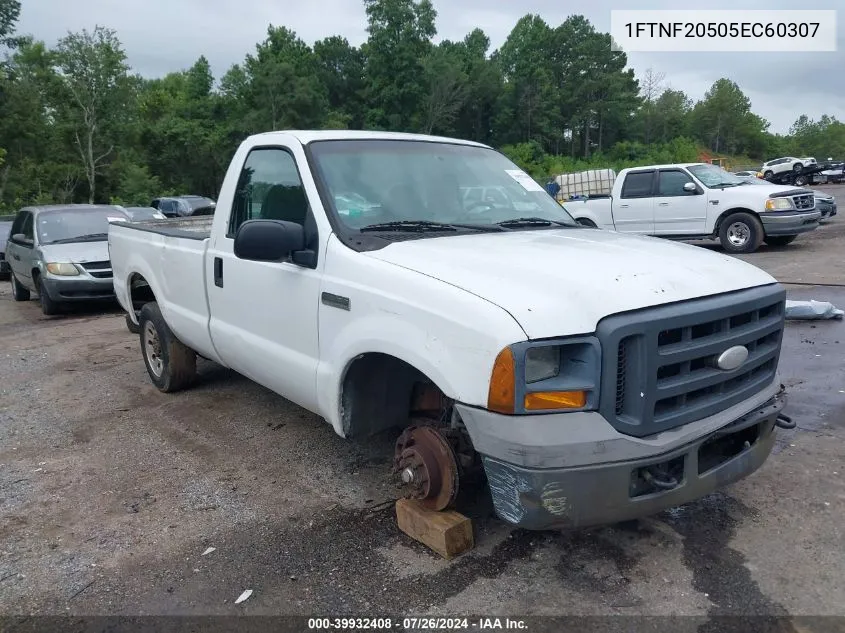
x=264 y=314
x=678 y=211
x=633 y=212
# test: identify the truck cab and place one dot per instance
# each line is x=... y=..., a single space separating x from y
x=586 y=376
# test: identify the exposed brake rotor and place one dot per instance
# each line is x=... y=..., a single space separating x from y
x=427 y=466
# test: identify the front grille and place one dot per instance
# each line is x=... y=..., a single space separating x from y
x=804 y=202
x=659 y=365
x=100 y=270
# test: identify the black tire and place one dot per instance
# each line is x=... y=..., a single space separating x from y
x=800 y=181
x=48 y=306
x=741 y=232
x=586 y=222
x=135 y=329
x=170 y=363
x=768 y=175
x=780 y=240
x=19 y=292
x=797 y=167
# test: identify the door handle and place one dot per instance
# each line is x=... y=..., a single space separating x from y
x=624 y=206
x=662 y=204
x=17 y=257
x=218 y=272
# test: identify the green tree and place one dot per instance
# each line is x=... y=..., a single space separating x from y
x=400 y=33
x=724 y=122
x=341 y=70
x=10 y=12
x=93 y=94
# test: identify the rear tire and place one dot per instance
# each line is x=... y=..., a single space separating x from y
x=19 y=292
x=780 y=240
x=170 y=363
x=768 y=175
x=741 y=233
x=797 y=167
x=48 y=306
x=130 y=325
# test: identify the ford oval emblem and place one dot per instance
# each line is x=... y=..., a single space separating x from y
x=732 y=358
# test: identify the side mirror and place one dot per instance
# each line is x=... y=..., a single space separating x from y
x=690 y=187
x=268 y=240
x=20 y=238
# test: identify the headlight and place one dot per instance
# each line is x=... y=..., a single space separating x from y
x=542 y=363
x=63 y=269
x=550 y=376
x=778 y=204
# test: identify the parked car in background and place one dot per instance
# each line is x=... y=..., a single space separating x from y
x=61 y=252
x=184 y=206
x=5 y=227
x=782 y=165
x=700 y=201
x=825 y=203
x=140 y=214
x=746 y=174
x=835 y=174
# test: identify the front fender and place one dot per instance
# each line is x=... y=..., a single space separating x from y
x=460 y=372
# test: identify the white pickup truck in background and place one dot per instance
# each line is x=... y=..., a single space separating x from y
x=591 y=376
x=699 y=200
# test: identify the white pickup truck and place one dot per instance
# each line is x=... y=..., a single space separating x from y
x=699 y=200
x=592 y=377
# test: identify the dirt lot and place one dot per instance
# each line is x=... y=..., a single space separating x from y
x=110 y=492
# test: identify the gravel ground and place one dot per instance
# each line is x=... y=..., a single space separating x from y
x=110 y=492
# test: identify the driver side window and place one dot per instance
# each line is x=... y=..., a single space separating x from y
x=269 y=188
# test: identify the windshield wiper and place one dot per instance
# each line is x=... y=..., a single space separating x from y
x=529 y=221
x=88 y=237
x=422 y=226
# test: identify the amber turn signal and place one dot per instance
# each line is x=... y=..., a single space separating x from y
x=545 y=400
x=500 y=397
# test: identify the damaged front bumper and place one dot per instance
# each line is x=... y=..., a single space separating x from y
x=606 y=492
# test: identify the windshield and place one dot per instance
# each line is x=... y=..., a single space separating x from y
x=70 y=225
x=713 y=176
x=372 y=182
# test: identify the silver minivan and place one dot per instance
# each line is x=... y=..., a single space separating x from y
x=61 y=252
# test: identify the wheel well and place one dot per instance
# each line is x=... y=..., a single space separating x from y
x=36 y=275
x=725 y=214
x=139 y=291
x=381 y=391
x=586 y=222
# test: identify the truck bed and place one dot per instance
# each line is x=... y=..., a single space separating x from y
x=198 y=228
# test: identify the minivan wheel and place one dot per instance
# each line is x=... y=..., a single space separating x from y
x=170 y=363
x=48 y=306
x=19 y=292
x=741 y=233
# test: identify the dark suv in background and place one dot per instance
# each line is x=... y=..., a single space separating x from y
x=184 y=206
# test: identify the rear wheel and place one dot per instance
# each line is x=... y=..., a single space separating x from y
x=18 y=291
x=130 y=325
x=48 y=306
x=768 y=174
x=801 y=180
x=741 y=233
x=780 y=240
x=797 y=167
x=170 y=363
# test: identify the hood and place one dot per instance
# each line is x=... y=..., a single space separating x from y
x=778 y=191
x=559 y=282
x=77 y=253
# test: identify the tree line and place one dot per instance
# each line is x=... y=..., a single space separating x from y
x=77 y=124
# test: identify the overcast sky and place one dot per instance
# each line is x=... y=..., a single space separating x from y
x=165 y=35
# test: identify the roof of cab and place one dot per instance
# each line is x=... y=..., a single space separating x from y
x=310 y=136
